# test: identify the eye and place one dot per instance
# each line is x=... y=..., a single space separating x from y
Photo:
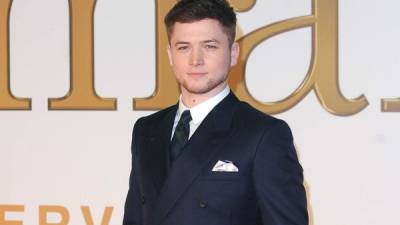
x=182 y=48
x=211 y=46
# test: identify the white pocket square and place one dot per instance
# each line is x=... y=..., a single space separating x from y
x=225 y=166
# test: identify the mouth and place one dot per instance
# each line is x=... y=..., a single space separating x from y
x=197 y=74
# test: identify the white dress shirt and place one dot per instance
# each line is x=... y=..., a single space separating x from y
x=200 y=111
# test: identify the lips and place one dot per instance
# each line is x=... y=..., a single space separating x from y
x=197 y=73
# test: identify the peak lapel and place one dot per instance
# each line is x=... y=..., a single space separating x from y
x=202 y=146
x=156 y=154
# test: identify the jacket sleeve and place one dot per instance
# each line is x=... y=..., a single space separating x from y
x=278 y=178
x=133 y=204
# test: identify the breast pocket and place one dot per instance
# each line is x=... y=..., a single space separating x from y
x=223 y=176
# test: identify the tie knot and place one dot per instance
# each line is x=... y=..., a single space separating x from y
x=185 y=117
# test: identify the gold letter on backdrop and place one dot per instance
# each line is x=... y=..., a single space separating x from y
x=323 y=73
x=390 y=105
x=44 y=210
x=88 y=216
x=10 y=208
x=322 y=76
x=82 y=94
x=7 y=100
x=166 y=92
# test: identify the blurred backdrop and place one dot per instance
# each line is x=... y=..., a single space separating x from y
x=75 y=76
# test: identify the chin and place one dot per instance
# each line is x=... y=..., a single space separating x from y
x=201 y=87
x=198 y=90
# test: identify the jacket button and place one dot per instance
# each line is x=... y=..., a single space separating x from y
x=203 y=204
x=143 y=200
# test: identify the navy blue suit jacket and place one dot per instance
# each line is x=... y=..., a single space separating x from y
x=268 y=189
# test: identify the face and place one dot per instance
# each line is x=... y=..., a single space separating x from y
x=201 y=57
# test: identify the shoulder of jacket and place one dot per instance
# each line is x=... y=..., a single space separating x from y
x=154 y=118
x=257 y=122
x=254 y=118
x=251 y=114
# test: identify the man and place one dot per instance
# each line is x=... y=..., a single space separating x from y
x=211 y=159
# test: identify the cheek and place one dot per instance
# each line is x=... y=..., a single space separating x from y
x=179 y=71
x=220 y=62
x=179 y=63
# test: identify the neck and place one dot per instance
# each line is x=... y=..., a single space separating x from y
x=192 y=99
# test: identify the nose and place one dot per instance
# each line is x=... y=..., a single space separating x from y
x=196 y=57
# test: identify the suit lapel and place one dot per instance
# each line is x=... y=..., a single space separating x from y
x=156 y=154
x=202 y=146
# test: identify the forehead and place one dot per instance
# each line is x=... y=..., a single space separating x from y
x=198 y=30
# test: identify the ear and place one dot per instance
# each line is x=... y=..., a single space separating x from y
x=235 y=51
x=170 y=55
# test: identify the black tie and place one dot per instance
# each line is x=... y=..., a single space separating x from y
x=181 y=135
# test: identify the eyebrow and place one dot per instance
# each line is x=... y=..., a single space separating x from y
x=181 y=43
x=204 y=42
x=211 y=41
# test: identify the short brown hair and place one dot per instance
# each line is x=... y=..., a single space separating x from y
x=187 y=11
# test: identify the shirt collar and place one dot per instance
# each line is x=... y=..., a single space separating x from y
x=200 y=111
